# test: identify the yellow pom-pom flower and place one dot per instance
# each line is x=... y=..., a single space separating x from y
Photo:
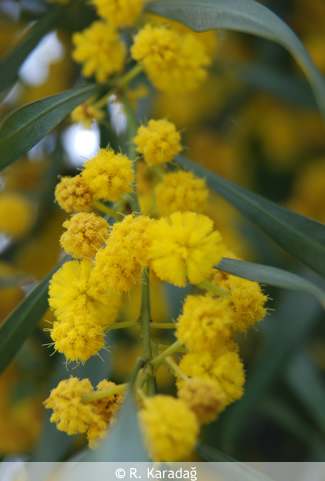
x=69 y=413
x=204 y=397
x=85 y=235
x=159 y=142
x=17 y=215
x=170 y=428
x=184 y=246
x=118 y=266
x=79 y=337
x=100 y=50
x=73 y=194
x=119 y=13
x=72 y=290
x=86 y=113
x=205 y=324
x=246 y=299
x=174 y=61
x=109 y=175
x=225 y=367
x=181 y=191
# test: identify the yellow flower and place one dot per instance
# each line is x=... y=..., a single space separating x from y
x=100 y=50
x=86 y=113
x=73 y=194
x=181 y=191
x=174 y=61
x=246 y=299
x=224 y=366
x=184 y=246
x=205 y=324
x=170 y=428
x=85 y=235
x=107 y=408
x=72 y=290
x=109 y=175
x=204 y=397
x=69 y=413
x=79 y=337
x=119 y=12
x=118 y=266
x=17 y=215
x=159 y=142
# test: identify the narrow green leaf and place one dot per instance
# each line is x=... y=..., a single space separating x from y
x=271 y=276
x=11 y=64
x=246 y=16
x=227 y=467
x=124 y=441
x=308 y=384
x=27 y=125
x=288 y=327
x=300 y=236
x=20 y=323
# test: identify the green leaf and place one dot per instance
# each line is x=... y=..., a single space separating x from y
x=308 y=384
x=227 y=467
x=124 y=441
x=27 y=125
x=246 y=16
x=287 y=328
x=300 y=236
x=11 y=64
x=20 y=323
x=271 y=276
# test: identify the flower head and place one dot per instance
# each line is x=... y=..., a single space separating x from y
x=184 y=246
x=86 y=113
x=100 y=50
x=181 y=191
x=72 y=290
x=16 y=214
x=205 y=323
x=109 y=175
x=85 y=235
x=174 y=61
x=119 y=13
x=170 y=428
x=159 y=142
x=73 y=194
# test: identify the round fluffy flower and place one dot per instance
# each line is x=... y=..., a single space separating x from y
x=181 y=191
x=72 y=290
x=73 y=194
x=109 y=175
x=184 y=245
x=16 y=214
x=86 y=113
x=107 y=408
x=159 y=142
x=170 y=428
x=204 y=397
x=206 y=323
x=225 y=367
x=79 y=337
x=174 y=61
x=69 y=413
x=246 y=299
x=85 y=235
x=100 y=50
x=119 y=12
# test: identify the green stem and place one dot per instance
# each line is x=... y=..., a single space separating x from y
x=170 y=350
x=95 y=396
x=211 y=287
x=130 y=75
x=121 y=325
x=139 y=365
x=106 y=210
x=176 y=368
x=163 y=325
